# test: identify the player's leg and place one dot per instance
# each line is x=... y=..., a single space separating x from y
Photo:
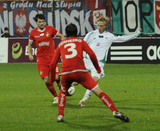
x=58 y=74
x=105 y=98
x=44 y=74
x=96 y=76
x=58 y=77
x=61 y=105
x=62 y=97
x=93 y=86
x=51 y=88
x=88 y=93
x=109 y=103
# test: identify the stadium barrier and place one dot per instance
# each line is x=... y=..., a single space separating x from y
x=138 y=51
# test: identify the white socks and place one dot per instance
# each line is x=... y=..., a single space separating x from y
x=87 y=95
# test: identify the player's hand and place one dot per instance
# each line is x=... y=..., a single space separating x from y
x=62 y=38
x=31 y=58
x=140 y=30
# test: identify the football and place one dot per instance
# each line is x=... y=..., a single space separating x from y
x=71 y=91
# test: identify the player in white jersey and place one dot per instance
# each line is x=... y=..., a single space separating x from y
x=100 y=41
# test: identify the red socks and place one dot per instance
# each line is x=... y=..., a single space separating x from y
x=61 y=102
x=107 y=101
x=52 y=90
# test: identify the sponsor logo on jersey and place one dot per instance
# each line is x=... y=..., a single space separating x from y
x=44 y=43
x=100 y=36
x=42 y=34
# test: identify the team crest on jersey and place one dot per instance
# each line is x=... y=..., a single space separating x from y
x=41 y=73
x=106 y=37
x=47 y=34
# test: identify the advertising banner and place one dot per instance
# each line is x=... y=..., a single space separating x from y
x=137 y=51
x=4 y=50
x=18 y=16
x=128 y=15
x=18 y=50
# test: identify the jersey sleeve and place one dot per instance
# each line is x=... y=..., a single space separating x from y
x=31 y=36
x=53 y=65
x=92 y=56
x=124 y=38
x=88 y=37
x=54 y=31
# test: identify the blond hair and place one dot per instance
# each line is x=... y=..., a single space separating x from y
x=104 y=19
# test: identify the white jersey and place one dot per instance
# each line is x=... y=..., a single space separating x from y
x=100 y=43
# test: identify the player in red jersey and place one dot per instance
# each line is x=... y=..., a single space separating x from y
x=73 y=69
x=43 y=37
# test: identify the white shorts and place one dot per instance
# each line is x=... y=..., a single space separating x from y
x=90 y=67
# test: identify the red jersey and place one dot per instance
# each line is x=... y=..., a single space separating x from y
x=44 y=42
x=71 y=52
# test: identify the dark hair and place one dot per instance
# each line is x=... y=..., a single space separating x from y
x=39 y=16
x=6 y=28
x=71 y=30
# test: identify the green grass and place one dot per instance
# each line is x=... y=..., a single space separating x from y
x=26 y=104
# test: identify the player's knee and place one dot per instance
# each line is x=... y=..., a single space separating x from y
x=75 y=83
x=57 y=77
x=96 y=78
x=97 y=91
x=46 y=80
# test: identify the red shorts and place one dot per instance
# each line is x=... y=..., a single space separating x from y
x=83 y=78
x=44 y=70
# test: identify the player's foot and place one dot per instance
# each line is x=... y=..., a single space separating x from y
x=55 y=100
x=121 y=116
x=60 y=118
x=81 y=103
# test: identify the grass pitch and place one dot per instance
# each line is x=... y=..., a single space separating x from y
x=26 y=103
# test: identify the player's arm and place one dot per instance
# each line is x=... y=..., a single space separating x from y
x=61 y=36
x=92 y=56
x=124 y=38
x=53 y=65
x=30 y=50
x=55 y=33
x=88 y=38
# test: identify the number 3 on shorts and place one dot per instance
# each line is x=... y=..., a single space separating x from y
x=71 y=49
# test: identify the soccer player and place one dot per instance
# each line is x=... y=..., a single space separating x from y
x=100 y=41
x=73 y=69
x=43 y=37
